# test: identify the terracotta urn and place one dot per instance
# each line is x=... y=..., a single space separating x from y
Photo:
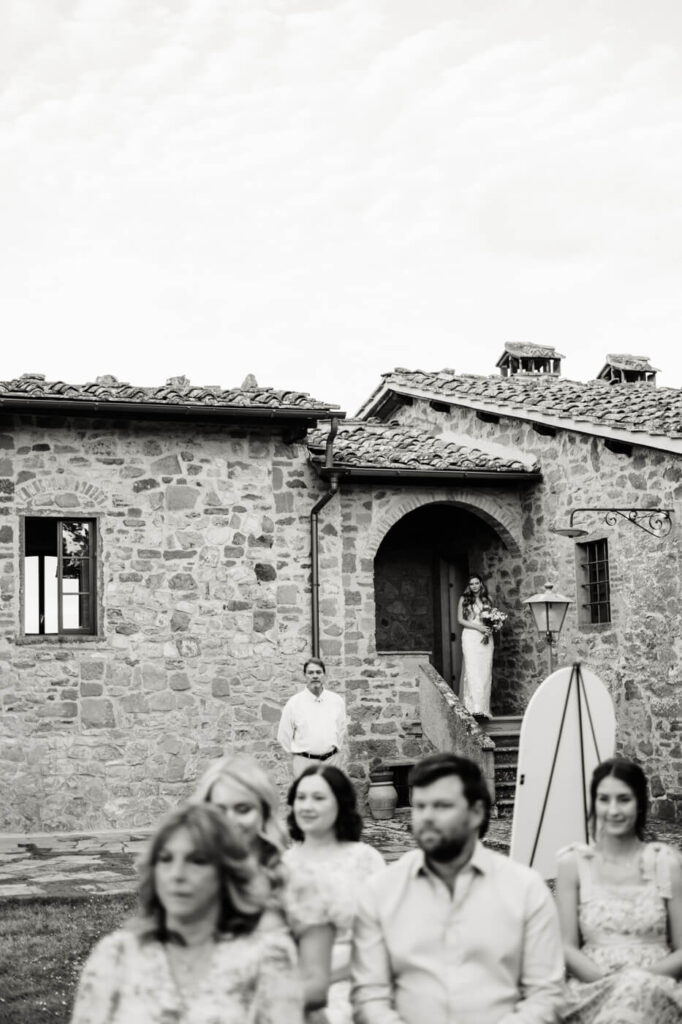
x=382 y=796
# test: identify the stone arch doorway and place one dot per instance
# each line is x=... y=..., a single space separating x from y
x=420 y=570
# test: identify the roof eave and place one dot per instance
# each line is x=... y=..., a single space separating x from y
x=417 y=475
x=162 y=410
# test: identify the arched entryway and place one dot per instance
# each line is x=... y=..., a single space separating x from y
x=420 y=570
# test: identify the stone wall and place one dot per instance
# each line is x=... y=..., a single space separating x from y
x=382 y=697
x=483 y=527
x=204 y=579
x=382 y=688
x=204 y=601
x=403 y=583
x=638 y=655
x=205 y=614
x=450 y=727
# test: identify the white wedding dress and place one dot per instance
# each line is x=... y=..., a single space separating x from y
x=477 y=671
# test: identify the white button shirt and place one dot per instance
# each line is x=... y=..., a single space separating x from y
x=490 y=953
x=313 y=725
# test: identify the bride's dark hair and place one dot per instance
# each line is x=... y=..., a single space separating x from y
x=469 y=598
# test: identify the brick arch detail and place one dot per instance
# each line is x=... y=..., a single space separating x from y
x=490 y=509
x=61 y=490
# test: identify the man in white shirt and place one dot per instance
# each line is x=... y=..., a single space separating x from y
x=313 y=724
x=454 y=933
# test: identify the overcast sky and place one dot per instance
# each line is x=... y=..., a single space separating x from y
x=317 y=191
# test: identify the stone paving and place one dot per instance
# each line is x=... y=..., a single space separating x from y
x=72 y=864
x=79 y=864
x=69 y=864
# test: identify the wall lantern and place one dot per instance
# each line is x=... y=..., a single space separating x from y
x=549 y=611
x=654 y=521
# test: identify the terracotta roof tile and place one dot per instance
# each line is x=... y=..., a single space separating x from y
x=632 y=406
x=623 y=361
x=177 y=391
x=525 y=348
x=367 y=445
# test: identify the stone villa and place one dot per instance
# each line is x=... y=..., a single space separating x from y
x=171 y=555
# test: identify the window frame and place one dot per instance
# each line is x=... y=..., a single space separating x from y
x=592 y=558
x=64 y=633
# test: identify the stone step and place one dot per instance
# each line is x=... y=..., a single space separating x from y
x=507 y=756
x=506 y=739
x=502 y=724
x=505 y=807
x=504 y=731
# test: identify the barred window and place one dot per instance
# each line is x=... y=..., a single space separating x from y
x=594 y=587
x=59 y=576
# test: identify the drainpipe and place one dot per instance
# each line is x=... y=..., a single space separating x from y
x=314 y=541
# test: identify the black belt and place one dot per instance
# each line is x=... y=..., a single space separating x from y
x=317 y=757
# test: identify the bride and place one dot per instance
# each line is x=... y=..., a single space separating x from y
x=477 y=648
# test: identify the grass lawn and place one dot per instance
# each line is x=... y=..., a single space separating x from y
x=43 y=945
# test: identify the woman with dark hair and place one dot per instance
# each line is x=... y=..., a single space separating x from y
x=195 y=954
x=477 y=647
x=326 y=825
x=620 y=908
x=247 y=797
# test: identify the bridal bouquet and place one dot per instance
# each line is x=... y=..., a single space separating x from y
x=494 y=619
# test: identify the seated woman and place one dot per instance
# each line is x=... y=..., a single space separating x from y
x=195 y=954
x=325 y=822
x=620 y=908
x=239 y=787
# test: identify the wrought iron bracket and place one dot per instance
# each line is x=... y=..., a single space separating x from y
x=654 y=521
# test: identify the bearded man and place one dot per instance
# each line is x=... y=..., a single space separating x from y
x=454 y=933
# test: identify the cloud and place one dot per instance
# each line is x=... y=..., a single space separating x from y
x=322 y=190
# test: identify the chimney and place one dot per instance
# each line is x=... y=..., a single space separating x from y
x=532 y=360
x=624 y=369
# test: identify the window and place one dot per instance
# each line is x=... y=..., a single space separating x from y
x=594 y=593
x=59 y=576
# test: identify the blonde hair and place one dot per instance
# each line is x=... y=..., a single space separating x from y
x=242 y=888
x=246 y=771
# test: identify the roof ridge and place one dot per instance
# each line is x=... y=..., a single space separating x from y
x=176 y=391
x=615 y=405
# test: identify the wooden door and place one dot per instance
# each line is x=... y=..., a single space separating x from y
x=452 y=579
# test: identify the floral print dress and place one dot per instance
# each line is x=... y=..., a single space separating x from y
x=625 y=929
x=252 y=979
x=338 y=871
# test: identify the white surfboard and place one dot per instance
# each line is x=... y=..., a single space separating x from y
x=568 y=728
